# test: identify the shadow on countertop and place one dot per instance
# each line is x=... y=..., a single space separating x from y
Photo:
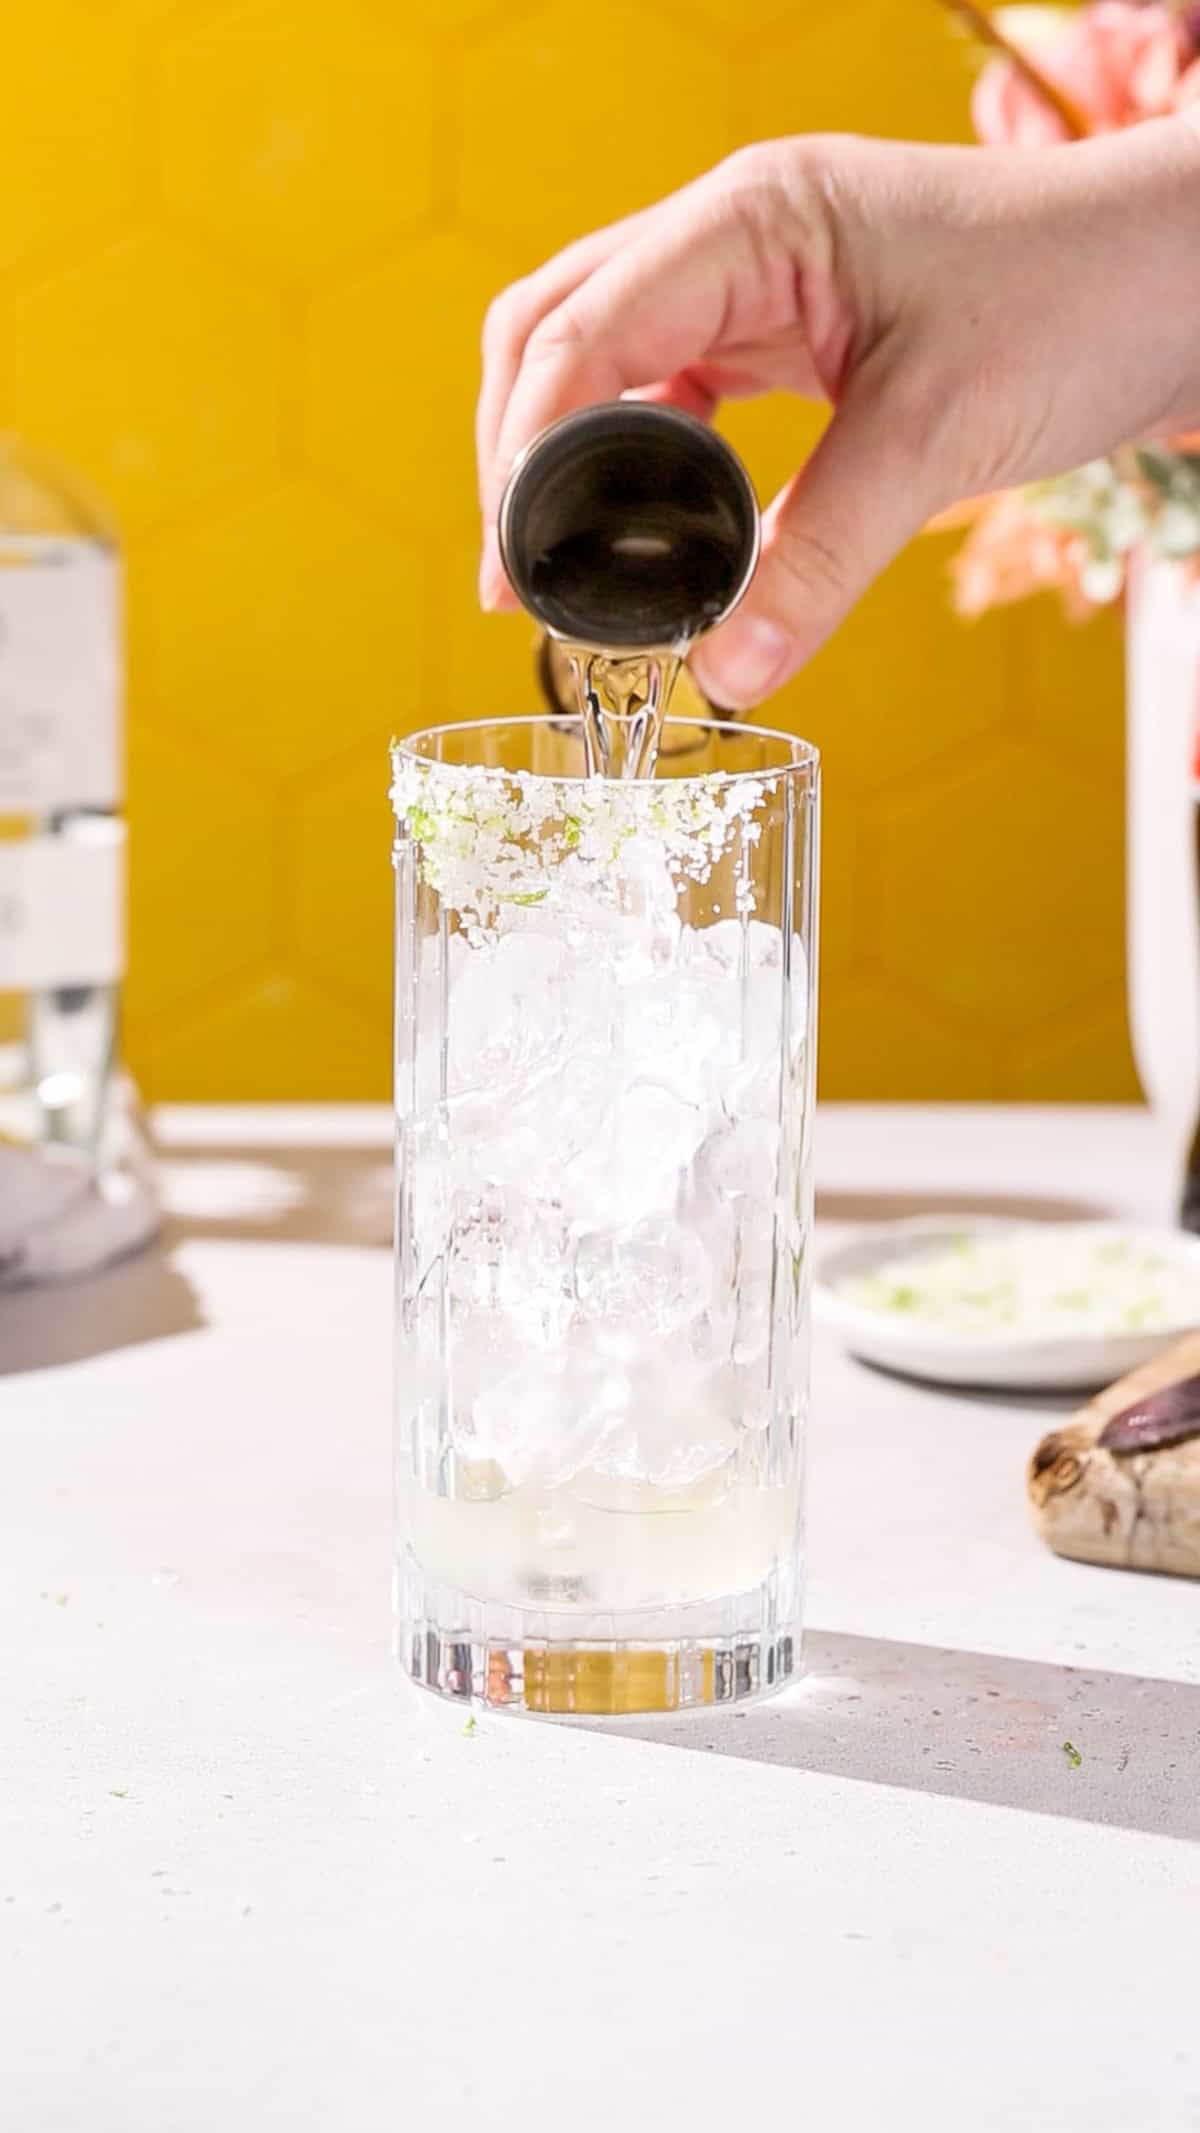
x=143 y=1298
x=274 y=1194
x=238 y=1192
x=1096 y=1747
x=904 y=1206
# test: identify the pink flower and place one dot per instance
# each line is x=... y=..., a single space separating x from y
x=1117 y=62
x=1009 y=553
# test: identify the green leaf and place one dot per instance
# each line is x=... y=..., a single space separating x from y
x=1072 y=1754
x=1158 y=468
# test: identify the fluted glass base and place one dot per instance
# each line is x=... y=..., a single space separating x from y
x=551 y=1662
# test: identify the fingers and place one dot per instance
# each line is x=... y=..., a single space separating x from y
x=518 y=309
x=613 y=333
x=695 y=390
x=514 y=315
x=643 y=315
x=826 y=536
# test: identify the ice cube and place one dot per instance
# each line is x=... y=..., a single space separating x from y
x=682 y=1427
x=424 y=1196
x=752 y=1327
x=749 y=961
x=729 y=1205
x=443 y=962
x=645 y=1281
x=751 y=1089
x=739 y=1160
x=733 y=940
x=620 y=921
x=735 y=1325
x=748 y=1392
x=542 y=1421
x=510 y=1013
x=634 y=1163
x=511 y=1257
x=476 y=1249
x=668 y=1032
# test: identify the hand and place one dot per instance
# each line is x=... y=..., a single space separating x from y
x=977 y=317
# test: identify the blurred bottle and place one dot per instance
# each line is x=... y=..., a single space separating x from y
x=62 y=841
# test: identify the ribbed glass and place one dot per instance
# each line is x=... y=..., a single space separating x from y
x=604 y=1090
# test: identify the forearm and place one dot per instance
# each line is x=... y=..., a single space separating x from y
x=1183 y=268
x=1148 y=263
x=1025 y=310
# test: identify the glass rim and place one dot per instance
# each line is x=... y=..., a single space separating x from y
x=805 y=760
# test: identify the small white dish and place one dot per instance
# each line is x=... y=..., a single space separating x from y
x=1012 y=1358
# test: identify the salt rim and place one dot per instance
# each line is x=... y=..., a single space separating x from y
x=487 y=838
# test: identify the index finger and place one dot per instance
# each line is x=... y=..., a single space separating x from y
x=647 y=312
x=520 y=308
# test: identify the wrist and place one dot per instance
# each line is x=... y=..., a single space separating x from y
x=1132 y=205
x=1164 y=240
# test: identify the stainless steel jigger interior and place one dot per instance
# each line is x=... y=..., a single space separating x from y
x=629 y=527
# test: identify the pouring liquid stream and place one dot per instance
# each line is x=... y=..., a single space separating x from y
x=623 y=699
x=671 y=575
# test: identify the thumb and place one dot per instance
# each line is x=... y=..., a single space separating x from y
x=827 y=534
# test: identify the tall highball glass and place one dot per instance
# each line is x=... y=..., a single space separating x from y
x=604 y=1096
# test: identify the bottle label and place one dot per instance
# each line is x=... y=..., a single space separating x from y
x=62 y=915
x=60 y=679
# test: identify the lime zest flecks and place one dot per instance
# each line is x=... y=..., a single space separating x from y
x=489 y=838
x=1042 y=1280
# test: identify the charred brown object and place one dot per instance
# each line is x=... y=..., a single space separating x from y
x=1121 y=1483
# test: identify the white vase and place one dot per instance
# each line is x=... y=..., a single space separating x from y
x=1163 y=885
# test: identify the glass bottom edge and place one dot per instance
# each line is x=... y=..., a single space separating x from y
x=470 y=1651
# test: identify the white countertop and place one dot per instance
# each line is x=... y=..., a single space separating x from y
x=248 y=1880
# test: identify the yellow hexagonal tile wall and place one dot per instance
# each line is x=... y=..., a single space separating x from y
x=68 y=143
x=276 y=1037
x=880 y=1041
x=244 y=259
x=745 y=20
x=865 y=66
x=1083 y=1049
x=578 y=114
x=333 y=873
x=840 y=878
x=291 y=146
x=200 y=889
x=288 y=629
x=482 y=666
x=151 y=369
x=775 y=435
x=392 y=376
x=953 y=684
x=451 y=16
x=1072 y=691
x=1013 y=855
